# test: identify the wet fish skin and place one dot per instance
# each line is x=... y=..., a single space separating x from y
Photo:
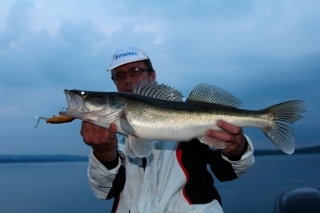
x=143 y=118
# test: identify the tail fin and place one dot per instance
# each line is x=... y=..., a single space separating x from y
x=280 y=133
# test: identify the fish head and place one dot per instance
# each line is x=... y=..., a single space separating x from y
x=92 y=106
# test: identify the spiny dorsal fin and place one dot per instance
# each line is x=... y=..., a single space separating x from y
x=155 y=90
x=211 y=94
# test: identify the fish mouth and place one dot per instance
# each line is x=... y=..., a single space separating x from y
x=74 y=102
x=82 y=102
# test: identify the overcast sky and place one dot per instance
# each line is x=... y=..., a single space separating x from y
x=263 y=52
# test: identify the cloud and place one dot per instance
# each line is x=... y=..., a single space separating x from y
x=262 y=52
x=18 y=24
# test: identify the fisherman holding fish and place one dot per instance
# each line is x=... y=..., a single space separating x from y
x=174 y=176
x=151 y=148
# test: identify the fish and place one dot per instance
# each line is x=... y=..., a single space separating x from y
x=157 y=112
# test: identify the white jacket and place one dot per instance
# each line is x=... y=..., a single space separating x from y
x=175 y=178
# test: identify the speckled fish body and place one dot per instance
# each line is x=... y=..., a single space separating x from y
x=158 y=112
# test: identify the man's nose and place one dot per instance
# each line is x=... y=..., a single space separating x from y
x=127 y=77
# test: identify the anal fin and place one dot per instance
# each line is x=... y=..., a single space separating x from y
x=213 y=142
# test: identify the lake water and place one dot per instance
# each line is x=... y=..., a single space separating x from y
x=63 y=187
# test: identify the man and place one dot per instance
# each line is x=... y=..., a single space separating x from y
x=174 y=178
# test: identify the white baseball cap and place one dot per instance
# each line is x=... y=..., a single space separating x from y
x=127 y=55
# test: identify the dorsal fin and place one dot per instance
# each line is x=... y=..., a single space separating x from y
x=211 y=94
x=155 y=90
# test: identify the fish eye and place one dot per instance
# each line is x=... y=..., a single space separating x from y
x=79 y=93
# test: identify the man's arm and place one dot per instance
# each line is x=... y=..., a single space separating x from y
x=106 y=182
x=106 y=172
x=103 y=142
x=237 y=157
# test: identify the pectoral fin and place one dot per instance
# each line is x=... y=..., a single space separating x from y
x=139 y=147
x=135 y=146
x=129 y=150
x=213 y=142
x=126 y=126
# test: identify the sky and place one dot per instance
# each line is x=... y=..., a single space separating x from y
x=262 y=52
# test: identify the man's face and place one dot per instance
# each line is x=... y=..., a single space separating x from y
x=125 y=85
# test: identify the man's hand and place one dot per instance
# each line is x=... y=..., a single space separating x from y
x=232 y=135
x=103 y=142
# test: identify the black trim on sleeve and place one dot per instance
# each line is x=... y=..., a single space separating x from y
x=118 y=183
x=120 y=179
x=111 y=164
x=221 y=168
x=144 y=163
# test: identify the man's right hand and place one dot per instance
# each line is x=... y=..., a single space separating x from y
x=102 y=141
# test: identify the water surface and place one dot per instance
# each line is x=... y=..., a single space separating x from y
x=64 y=188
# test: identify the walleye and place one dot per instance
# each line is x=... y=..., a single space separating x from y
x=156 y=112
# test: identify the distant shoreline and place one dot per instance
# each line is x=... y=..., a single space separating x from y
x=77 y=158
x=41 y=158
x=306 y=150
